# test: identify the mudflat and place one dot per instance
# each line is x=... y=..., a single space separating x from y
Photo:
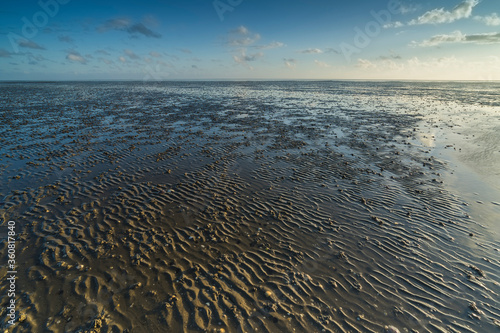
x=251 y=206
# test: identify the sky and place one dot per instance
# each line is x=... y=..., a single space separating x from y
x=249 y=39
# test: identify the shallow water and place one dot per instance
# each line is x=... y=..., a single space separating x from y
x=252 y=206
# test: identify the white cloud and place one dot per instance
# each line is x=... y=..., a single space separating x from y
x=396 y=24
x=406 y=9
x=290 y=63
x=76 y=57
x=243 y=58
x=273 y=45
x=241 y=39
x=310 y=51
x=241 y=30
x=454 y=37
x=491 y=20
x=365 y=64
x=321 y=64
x=122 y=59
x=440 y=15
x=155 y=54
x=131 y=54
x=459 y=37
x=241 y=36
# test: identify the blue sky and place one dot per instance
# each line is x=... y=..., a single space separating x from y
x=244 y=39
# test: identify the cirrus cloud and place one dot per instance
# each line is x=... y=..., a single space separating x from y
x=310 y=51
x=272 y=45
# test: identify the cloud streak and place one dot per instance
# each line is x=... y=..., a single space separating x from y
x=131 y=54
x=139 y=28
x=29 y=44
x=290 y=63
x=459 y=37
x=321 y=64
x=114 y=24
x=243 y=57
x=272 y=45
x=310 y=51
x=76 y=57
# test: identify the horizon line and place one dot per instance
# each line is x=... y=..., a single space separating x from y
x=249 y=80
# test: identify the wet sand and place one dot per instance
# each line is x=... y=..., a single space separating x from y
x=252 y=207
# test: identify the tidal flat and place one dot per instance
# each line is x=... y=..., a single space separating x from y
x=298 y=206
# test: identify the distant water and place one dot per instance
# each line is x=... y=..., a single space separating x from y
x=469 y=111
